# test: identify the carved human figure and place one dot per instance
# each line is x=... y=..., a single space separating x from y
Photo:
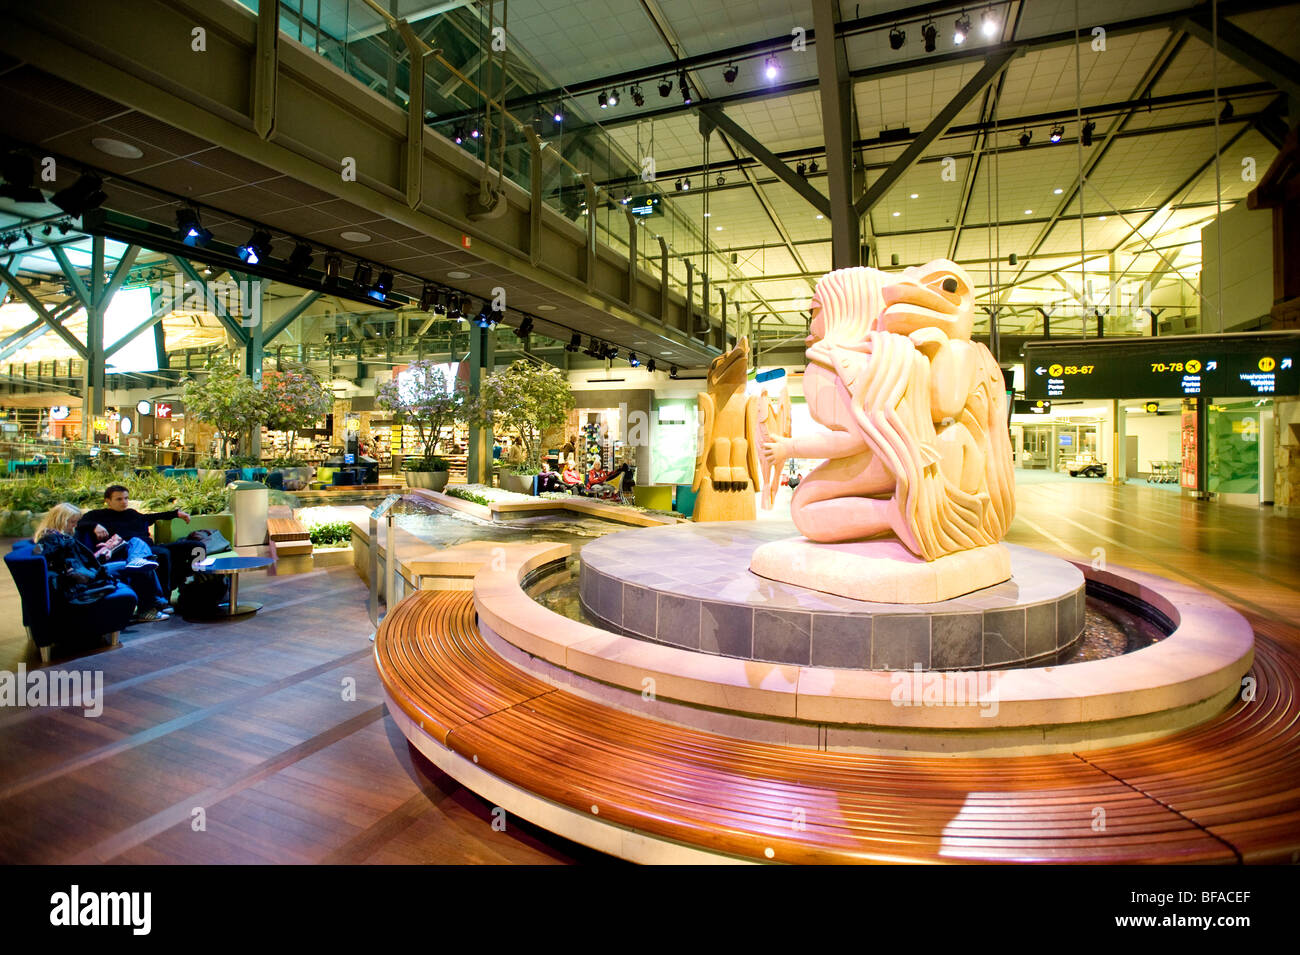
x=774 y=420
x=917 y=443
x=726 y=462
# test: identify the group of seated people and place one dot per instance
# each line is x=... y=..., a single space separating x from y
x=597 y=482
x=92 y=553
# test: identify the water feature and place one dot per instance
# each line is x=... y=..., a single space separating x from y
x=446 y=529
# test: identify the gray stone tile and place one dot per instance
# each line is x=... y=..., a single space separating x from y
x=1041 y=628
x=679 y=621
x=639 y=610
x=1004 y=636
x=900 y=642
x=783 y=637
x=956 y=641
x=1067 y=619
x=727 y=629
x=841 y=640
x=609 y=599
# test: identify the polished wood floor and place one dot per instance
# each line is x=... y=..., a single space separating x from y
x=247 y=721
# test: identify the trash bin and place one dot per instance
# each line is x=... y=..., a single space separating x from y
x=248 y=503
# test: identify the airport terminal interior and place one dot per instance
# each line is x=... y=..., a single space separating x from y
x=662 y=431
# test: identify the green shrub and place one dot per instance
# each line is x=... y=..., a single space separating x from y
x=326 y=535
x=465 y=495
x=434 y=463
x=149 y=491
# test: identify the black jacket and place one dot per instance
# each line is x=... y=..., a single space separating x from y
x=125 y=524
x=77 y=576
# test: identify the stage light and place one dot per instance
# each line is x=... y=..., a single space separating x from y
x=603 y=100
x=453 y=307
x=665 y=87
x=189 y=228
x=684 y=87
x=1025 y=137
x=772 y=67
x=929 y=33
x=383 y=285
x=65 y=227
x=19 y=173
x=672 y=371
x=1085 y=134
x=611 y=353
x=731 y=72
x=802 y=170
x=257 y=249
x=686 y=184
x=559 y=115
x=961 y=29
x=83 y=195
x=678 y=185
x=525 y=327
x=613 y=98
x=721 y=180
x=300 y=258
x=361 y=275
x=474 y=133
x=1058 y=131
x=627 y=197
x=637 y=97
x=897 y=38
x=632 y=360
x=650 y=366
x=333 y=266
x=812 y=167
x=427 y=295
x=575 y=342
x=989 y=22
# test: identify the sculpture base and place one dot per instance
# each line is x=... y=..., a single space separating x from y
x=882 y=571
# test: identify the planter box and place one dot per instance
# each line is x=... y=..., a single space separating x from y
x=519 y=483
x=429 y=480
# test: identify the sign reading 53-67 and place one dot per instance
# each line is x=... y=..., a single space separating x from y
x=1249 y=365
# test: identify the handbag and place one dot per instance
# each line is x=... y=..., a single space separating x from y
x=212 y=541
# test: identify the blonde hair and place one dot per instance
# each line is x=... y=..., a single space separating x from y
x=849 y=301
x=56 y=519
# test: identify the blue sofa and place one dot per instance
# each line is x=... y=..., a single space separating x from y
x=49 y=621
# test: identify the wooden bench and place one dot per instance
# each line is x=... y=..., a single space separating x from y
x=1223 y=792
x=287 y=536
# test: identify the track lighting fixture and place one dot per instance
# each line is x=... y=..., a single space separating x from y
x=613 y=98
x=802 y=170
x=300 y=258
x=427 y=295
x=83 y=195
x=897 y=38
x=19 y=172
x=575 y=342
x=257 y=249
x=603 y=99
x=672 y=371
x=665 y=87
x=961 y=29
x=731 y=72
x=1085 y=133
x=989 y=22
x=1058 y=132
x=361 y=275
x=721 y=180
x=189 y=229
x=685 y=88
x=525 y=327
x=383 y=285
x=929 y=33
x=772 y=67
x=333 y=266
x=1025 y=137
x=637 y=97
x=812 y=167
x=650 y=366
x=632 y=360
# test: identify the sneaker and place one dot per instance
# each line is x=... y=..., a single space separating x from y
x=142 y=562
x=165 y=608
x=150 y=616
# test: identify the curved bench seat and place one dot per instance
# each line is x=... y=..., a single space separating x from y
x=1225 y=791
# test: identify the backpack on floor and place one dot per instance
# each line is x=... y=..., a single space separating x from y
x=201 y=595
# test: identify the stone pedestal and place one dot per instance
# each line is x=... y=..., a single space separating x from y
x=882 y=571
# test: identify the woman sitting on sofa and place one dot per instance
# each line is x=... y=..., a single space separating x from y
x=82 y=578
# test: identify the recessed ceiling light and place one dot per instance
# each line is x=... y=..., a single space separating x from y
x=457 y=275
x=916 y=195
x=115 y=147
x=897 y=214
x=1057 y=191
x=1029 y=212
x=1101 y=219
x=546 y=308
x=820 y=216
x=718 y=228
x=707 y=214
x=353 y=236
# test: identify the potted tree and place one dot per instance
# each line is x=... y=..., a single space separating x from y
x=530 y=400
x=423 y=396
x=229 y=401
x=294 y=399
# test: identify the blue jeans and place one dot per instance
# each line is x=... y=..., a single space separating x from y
x=143 y=580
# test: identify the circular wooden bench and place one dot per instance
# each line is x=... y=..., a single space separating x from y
x=1225 y=791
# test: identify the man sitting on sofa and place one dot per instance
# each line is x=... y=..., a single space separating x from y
x=119 y=519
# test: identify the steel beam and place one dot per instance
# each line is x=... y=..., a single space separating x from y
x=993 y=66
x=210 y=301
x=287 y=319
x=1238 y=45
x=837 y=127
x=25 y=294
x=711 y=116
x=70 y=273
x=266 y=67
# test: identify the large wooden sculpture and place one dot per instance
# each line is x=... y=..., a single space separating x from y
x=917 y=448
x=774 y=421
x=726 y=461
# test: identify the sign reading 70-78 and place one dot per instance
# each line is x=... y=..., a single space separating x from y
x=1250 y=365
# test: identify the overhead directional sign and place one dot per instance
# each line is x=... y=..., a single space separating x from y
x=1248 y=365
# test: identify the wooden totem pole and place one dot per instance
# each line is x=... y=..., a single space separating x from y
x=726 y=461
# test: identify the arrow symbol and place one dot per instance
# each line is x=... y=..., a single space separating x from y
x=1040 y=370
x=1211 y=365
x=1286 y=362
